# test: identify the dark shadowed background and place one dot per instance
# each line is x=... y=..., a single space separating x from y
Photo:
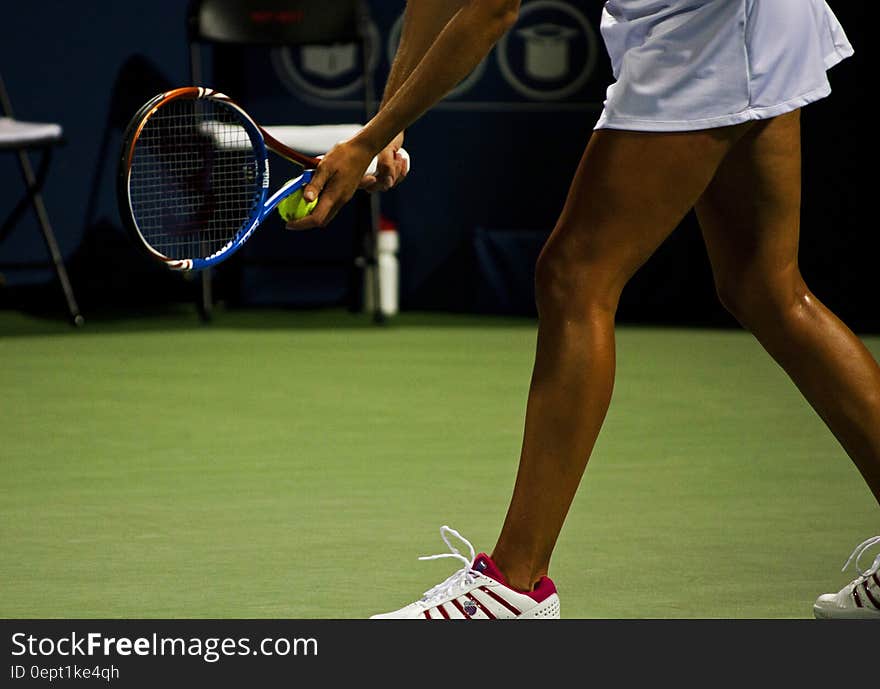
x=491 y=165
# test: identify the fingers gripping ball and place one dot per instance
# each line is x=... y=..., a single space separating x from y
x=295 y=207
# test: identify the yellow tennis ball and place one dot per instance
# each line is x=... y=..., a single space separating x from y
x=295 y=206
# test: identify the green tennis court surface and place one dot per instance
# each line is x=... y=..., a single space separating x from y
x=294 y=465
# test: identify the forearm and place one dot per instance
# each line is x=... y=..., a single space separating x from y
x=428 y=70
x=423 y=20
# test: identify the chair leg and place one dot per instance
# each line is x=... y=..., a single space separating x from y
x=206 y=302
x=358 y=267
x=31 y=181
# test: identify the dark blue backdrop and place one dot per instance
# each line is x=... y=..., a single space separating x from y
x=491 y=164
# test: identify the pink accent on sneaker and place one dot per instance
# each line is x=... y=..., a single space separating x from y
x=545 y=587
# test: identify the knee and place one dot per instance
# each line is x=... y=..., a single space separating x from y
x=553 y=279
x=572 y=283
x=757 y=302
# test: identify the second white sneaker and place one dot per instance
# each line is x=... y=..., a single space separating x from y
x=858 y=600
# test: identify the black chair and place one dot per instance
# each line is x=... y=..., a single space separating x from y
x=21 y=137
x=287 y=23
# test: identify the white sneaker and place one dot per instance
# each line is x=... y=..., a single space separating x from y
x=478 y=591
x=858 y=600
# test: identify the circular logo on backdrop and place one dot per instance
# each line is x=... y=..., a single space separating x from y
x=327 y=71
x=551 y=51
x=466 y=84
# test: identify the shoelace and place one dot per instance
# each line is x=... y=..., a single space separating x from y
x=856 y=556
x=460 y=579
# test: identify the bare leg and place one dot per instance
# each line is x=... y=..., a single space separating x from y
x=750 y=217
x=629 y=192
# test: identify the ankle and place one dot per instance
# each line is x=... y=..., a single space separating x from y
x=520 y=576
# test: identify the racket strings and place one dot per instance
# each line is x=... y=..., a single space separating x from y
x=195 y=180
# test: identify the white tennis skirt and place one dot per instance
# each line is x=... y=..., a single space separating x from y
x=682 y=65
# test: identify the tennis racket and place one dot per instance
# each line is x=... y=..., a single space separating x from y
x=194 y=177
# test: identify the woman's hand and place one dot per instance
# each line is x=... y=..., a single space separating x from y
x=341 y=172
x=391 y=170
